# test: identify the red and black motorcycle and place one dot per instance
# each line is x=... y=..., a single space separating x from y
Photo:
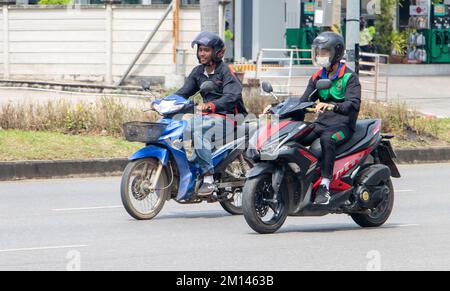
x=287 y=175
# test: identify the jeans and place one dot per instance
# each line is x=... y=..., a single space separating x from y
x=207 y=133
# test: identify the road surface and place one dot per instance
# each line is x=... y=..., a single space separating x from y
x=80 y=224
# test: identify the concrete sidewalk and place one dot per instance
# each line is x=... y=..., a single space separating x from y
x=33 y=95
x=429 y=95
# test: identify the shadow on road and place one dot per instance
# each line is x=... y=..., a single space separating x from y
x=321 y=228
x=193 y=215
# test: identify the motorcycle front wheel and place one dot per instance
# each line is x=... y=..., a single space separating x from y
x=264 y=212
x=144 y=188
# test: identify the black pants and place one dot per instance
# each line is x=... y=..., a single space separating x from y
x=366 y=49
x=330 y=139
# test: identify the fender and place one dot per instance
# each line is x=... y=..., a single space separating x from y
x=259 y=169
x=386 y=154
x=152 y=151
x=373 y=175
x=162 y=152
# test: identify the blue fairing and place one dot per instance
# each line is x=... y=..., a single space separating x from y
x=178 y=100
x=174 y=129
x=162 y=151
x=221 y=154
x=187 y=182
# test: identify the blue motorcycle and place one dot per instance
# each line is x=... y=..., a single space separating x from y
x=162 y=170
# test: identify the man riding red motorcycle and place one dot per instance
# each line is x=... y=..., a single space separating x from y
x=347 y=167
x=341 y=104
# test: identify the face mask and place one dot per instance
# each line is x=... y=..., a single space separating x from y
x=324 y=62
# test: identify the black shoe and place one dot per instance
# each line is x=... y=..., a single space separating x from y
x=206 y=189
x=322 y=196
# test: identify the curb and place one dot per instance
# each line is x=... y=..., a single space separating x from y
x=423 y=155
x=21 y=170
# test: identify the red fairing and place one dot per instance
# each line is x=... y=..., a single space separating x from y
x=268 y=131
x=305 y=131
x=377 y=128
x=343 y=166
x=307 y=155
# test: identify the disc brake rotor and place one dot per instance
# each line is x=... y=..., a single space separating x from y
x=140 y=189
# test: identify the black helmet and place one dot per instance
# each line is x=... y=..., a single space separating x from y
x=211 y=40
x=332 y=42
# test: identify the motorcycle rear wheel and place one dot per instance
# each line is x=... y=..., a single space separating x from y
x=379 y=215
x=234 y=205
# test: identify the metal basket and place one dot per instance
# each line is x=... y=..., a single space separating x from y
x=144 y=132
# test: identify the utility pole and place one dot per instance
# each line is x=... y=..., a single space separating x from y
x=353 y=32
x=222 y=6
x=209 y=10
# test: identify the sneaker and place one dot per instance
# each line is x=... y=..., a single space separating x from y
x=322 y=196
x=206 y=189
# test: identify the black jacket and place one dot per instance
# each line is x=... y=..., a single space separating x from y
x=347 y=108
x=228 y=87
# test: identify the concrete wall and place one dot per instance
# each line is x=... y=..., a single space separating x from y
x=86 y=44
x=269 y=26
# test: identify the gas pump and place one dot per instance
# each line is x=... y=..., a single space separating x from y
x=300 y=29
x=440 y=33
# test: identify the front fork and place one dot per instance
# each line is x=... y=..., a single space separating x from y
x=157 y=176
x=277 y=180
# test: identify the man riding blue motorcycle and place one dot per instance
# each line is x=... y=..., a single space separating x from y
x=163 y=170
x=219 y=108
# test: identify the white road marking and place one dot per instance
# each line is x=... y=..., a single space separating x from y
x=401 y=191
x=87 y=208
x=43 y=248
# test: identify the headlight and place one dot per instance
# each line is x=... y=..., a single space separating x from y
x=167 y=107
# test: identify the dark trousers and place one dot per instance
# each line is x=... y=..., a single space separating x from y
x=330 y=139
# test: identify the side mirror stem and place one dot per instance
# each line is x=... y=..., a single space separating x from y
x=312 y=94
x=274 y=96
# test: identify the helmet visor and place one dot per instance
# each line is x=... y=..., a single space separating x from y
x=322 y=57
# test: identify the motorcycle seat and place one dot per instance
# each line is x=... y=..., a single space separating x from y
x=361 y=131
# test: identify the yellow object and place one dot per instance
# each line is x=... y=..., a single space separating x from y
x=365 y=196
x=365 y=37
x=229 y=34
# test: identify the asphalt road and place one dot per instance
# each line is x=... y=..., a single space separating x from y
x=79 y=224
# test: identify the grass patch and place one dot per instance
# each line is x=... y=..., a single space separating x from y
x=102 y=117
x=31 y=145
x=60 y=130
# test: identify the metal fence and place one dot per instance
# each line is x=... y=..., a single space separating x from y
x=374 y=75
x=283 y=68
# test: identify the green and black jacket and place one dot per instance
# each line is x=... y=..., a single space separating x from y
x=345 y=94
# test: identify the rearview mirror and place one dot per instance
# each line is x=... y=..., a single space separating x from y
x=267 y=87
x=207 y=87
x=323 y=84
